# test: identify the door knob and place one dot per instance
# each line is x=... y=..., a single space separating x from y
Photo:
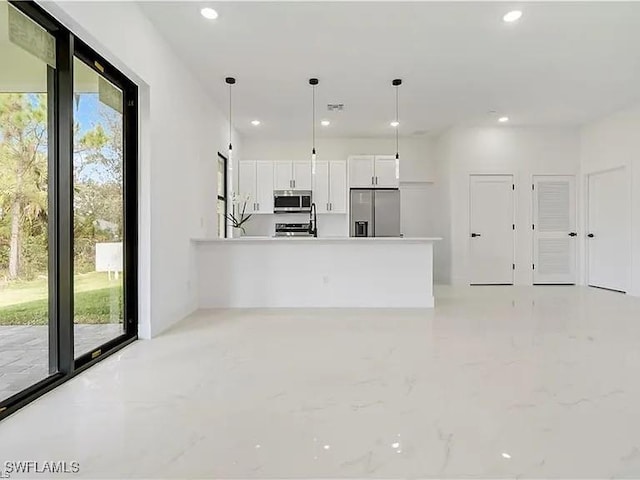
x=573 y=234
x=474 y=235
x=591 y=235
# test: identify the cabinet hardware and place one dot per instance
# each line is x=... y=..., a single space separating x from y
x=573 y=234
x=474 y=235
x=372 y=183
x=591 y=235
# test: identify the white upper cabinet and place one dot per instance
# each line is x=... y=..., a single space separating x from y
x=292 y=175
x=247 y=183
x=256 y=181
x=264 y=187
x=385 y=173
x=362 y=171
x=330 y=187
x=302 y=175
x=373 y=171
x=338 y=187
x=321 y=187
x=282 y=175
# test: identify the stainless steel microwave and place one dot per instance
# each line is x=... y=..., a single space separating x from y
x=291 y=201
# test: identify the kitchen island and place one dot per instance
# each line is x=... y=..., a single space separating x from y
x=341 y=272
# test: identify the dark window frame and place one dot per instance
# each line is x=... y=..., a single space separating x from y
x=63 y=365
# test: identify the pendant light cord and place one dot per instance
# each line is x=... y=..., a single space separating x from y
x=313 y=118
x=230 y=120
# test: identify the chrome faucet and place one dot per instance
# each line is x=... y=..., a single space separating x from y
x=313 y=221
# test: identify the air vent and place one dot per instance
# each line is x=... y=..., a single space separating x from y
x=420 y=132
x=335 y=107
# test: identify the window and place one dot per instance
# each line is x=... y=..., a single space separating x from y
x=221 y=206
x=68 y=215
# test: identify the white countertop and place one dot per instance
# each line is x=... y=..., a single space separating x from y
x=318 y=240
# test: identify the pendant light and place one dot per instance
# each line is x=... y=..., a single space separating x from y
x=396 y=83
x=230 y=81
x=313 y=82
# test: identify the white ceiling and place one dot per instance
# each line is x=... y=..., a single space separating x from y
x=561 y=64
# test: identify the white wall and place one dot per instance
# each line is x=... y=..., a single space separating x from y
x=610 y=143
x=522 y=152
x=181 y=132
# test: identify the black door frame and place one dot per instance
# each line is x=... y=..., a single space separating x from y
x=63 y=365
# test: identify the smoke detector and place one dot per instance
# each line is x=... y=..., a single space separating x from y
x=335 y=107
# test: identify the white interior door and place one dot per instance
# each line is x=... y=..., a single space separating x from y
x=321 y=187
x=491 y=229
x=608 y=230
x=282 y=175
x=247 y=184
x=554 y=229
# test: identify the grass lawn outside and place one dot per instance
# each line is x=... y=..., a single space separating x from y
x=98 y=300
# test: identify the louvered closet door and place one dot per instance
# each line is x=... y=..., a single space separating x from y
x=554 y=229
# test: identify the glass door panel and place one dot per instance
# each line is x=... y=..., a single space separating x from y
x=97 y=210
x=24 y=207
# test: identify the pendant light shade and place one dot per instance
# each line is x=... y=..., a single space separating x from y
x=313 y=82
x=396 y=83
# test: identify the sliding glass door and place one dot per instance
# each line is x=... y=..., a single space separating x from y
x=25 y=96
x=68 y=236
x=98 y=216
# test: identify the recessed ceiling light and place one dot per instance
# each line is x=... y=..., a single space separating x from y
x=503 y=119
x=209 y=13
x=255 y=123
x=512 y=16
x=394 y=123
x=325 y=123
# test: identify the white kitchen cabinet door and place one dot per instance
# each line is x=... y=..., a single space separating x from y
x=337 y=187
x=386 y=173
x=491 y=230
x=282 y=175
x=264 y=187
x=247 y=184
x=608 y=230
x=302 y=175
x=321 y=187
x=361 y=171
x=554 y=229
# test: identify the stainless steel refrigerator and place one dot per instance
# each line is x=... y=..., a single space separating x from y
x=375 y=212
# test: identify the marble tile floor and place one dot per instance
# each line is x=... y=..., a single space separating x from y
x=24 y=352
x=495 y=382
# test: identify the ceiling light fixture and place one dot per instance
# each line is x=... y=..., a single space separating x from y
x=209 y=13
x=255 y=123
x=512 y=16
x=503 y=119
x=313 y=82
x=396 y=123
x=325 y=123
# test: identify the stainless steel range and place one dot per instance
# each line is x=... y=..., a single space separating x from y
x=293 y=230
